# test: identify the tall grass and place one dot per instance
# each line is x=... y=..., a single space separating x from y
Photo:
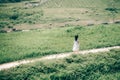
x=101 y=66
x=36 y=43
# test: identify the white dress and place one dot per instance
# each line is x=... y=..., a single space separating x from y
x=76 y=46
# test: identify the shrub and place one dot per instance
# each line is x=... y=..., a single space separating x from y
x=3 y=31
x=14 y=16
x=3 y=24
x=111 y=9
x=90 y=24
x=117 y=22
x=105 y=23
x=10 y=26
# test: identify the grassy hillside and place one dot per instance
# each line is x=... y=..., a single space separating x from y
x=101 y=66
x=75 y=3
x=55 y=12
x=59 y=21
x=35 y=43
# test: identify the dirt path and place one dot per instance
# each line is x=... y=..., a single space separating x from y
x=27 y=27
x=55 y=56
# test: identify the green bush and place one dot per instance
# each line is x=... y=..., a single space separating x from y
x=4 y=24
x=6 y=1
x=3 y=31
x=14 y=16
x=10 y=26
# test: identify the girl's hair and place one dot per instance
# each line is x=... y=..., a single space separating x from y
x=76 y=37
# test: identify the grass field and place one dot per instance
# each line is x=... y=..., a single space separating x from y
x=75 y=3
x=12 y=15
x=100 y=66
x=35 y=43
x=51 y=28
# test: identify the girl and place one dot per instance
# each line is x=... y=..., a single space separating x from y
x=76 y=44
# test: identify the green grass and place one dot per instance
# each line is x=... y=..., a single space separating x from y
x=100 y=66
x=55 y=11
x=110 y=76
x=36 y=43
x=74 y=3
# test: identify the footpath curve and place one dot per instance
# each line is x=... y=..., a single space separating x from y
x=54 y=56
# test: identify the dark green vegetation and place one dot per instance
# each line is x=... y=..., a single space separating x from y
x=35 y=43
x=101 y=66
x=7 y=1
x=11 y=15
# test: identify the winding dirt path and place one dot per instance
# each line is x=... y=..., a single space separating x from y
x=54 y=56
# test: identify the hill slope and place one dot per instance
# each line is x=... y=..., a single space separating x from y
x=53 y=12
x=75 y=3
x=35 y=43
x=101 y=66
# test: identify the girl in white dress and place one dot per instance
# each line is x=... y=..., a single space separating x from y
x=76 y=44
